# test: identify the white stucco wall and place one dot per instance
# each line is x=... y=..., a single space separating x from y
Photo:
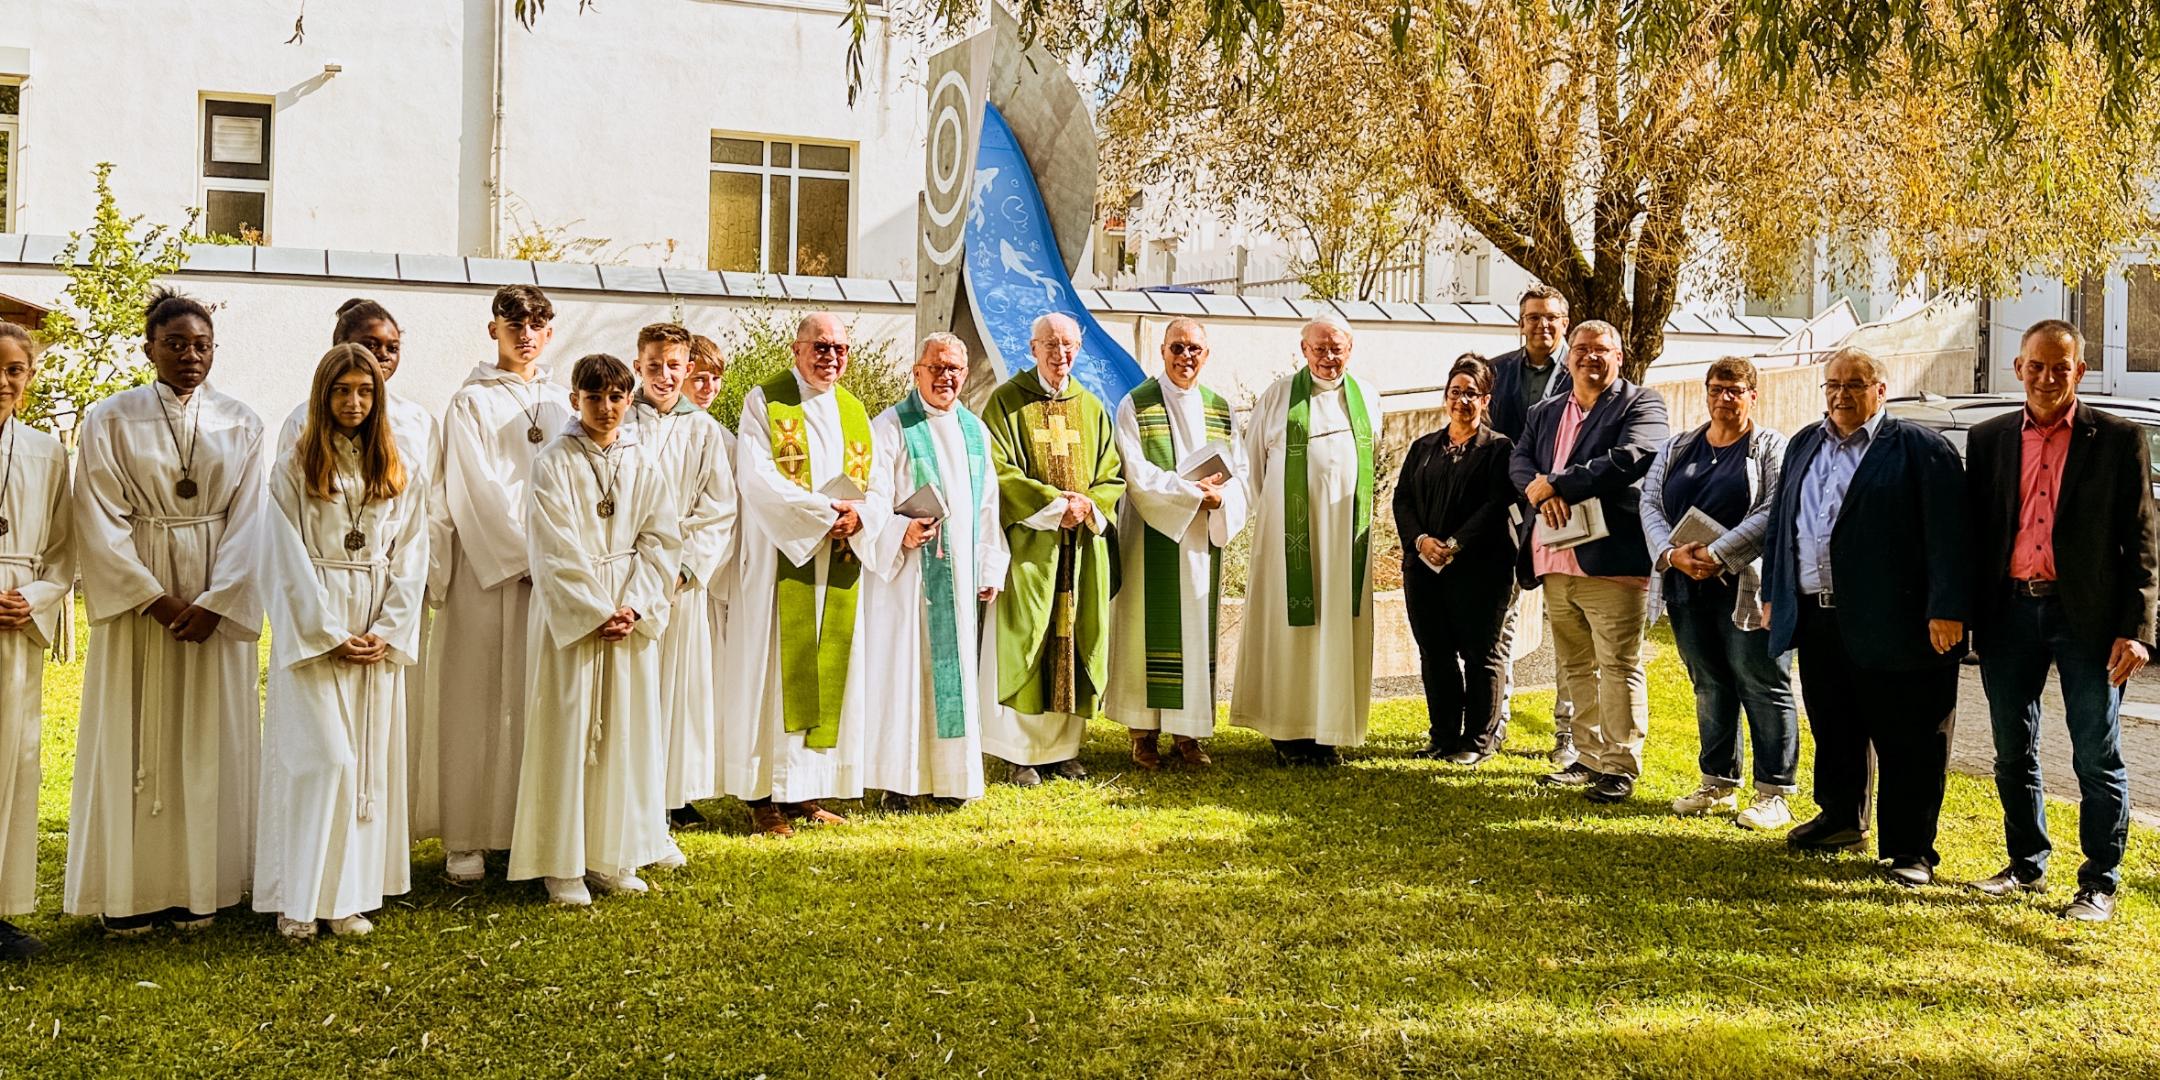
x=606 y=117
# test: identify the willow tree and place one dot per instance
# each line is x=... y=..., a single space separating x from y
x=1620 y=173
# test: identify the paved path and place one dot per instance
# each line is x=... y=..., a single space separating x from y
x=1973 y=748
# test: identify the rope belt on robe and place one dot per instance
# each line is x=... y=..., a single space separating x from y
x=147 y=747
x=599 y=678
x=363 y=733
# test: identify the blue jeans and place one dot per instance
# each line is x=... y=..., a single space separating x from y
x=2014 y=665
x=1732 y=669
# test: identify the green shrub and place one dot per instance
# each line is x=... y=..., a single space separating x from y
x=757 y=348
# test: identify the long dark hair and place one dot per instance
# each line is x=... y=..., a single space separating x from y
x=382 y=472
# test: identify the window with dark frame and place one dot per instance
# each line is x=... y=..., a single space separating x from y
x=236 y=170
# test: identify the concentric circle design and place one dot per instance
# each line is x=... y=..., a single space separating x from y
x=946 y=167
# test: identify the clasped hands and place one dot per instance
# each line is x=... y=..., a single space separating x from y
x=619 y=625
x=1211 y=491
x=847 y=524
x=188 y=623
x=363 y=649
x=1695 y=561
x=1550 y=505
x=15 y=611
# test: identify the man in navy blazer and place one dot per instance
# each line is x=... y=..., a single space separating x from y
x=1866 y=571
x=1595 y=442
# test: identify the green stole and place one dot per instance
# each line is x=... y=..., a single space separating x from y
x=813 y=657
x=937 y=580
x=1161 y=556
x=1297 y=503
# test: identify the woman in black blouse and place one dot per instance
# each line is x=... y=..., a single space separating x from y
x=1451 y=510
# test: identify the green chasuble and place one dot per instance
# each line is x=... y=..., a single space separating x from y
x=1053 y=646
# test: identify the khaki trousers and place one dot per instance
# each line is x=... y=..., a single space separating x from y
x=1597 y=626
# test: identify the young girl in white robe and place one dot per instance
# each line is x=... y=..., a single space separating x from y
x=347 y=564
x=605 y=555
x=36 y=571
x=168 y=515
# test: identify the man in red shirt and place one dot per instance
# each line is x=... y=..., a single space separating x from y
x=2079 y=597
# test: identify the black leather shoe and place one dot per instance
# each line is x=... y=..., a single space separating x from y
x=685 y=817
x=1610 y=788
x=1024 y=776
x=1432 y=752
x=1911 y=873
x=2091 y=905
x=16 y=945
x=1070 y=769
x=2008 y=881
x=1576 y=775
x=1817 y=834
x=1469 y=759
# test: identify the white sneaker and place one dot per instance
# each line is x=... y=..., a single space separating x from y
x=1563 y=752
x=195 y=924
x=568 y=892
x=352 y=926
x=1766 y=812
x=1710 y=797
x=465 y=867
x=673 y=860
x=612 y=883
x=296 y=929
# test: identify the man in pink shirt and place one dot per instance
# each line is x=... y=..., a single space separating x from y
x=1595 y=443
x=2079 y=598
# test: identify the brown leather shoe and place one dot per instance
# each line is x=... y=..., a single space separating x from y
x=815 y=813
x=1144 y=752
x=768 y=819
x=1189 y=752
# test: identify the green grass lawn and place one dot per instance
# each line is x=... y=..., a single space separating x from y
x=1389 y=918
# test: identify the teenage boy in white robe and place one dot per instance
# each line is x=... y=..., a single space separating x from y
x=37 y=569
x=924 y=681
x=606 y=558
x=347 y=561
x=497 y=424
x=685 y=449
x=169 y=504
x=1173 y=417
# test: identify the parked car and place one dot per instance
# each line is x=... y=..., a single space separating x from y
x=1955 y=416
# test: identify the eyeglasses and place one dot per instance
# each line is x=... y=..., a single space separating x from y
x=183 y=346
x=1329 y=351
x=1729 y=393
x=835 y=349
x=1849 y=386
x=1464 y=394
x=1543 y=318
x=1185 y=348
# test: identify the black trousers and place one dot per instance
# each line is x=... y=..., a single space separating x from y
x=1903 y=717
x=1456 y=618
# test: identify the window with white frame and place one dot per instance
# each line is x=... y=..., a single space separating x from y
x=780 y=206
x=236 y=170
x=10 y=139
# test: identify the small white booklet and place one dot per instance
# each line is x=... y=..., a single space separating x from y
x=1210 y=460
x=1585 y=523
x=927 y=504
x=1696 y=527
x=842 y=488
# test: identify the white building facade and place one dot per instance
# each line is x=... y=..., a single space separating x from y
x=692 y=133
